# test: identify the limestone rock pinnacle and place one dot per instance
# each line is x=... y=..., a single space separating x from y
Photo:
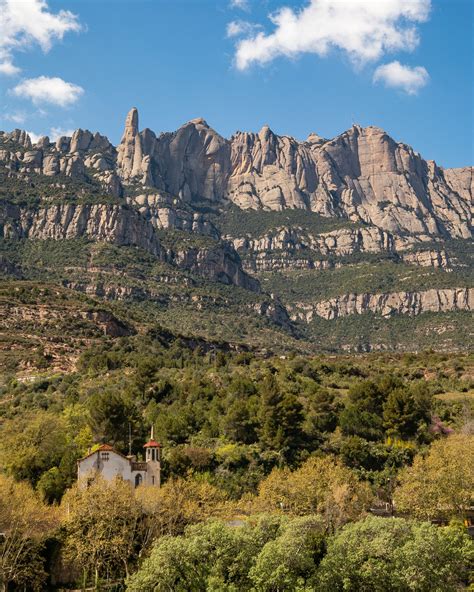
x=129 y=152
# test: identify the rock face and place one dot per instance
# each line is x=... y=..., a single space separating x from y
x=221 y=264
x=166 y=213
x=401 y=205
x=108 y=223
x=121 y=225
x=362 y=174
x=84 y=156
x=338 y=242
x=271 y=172
x=386 y=305
x=430 y=258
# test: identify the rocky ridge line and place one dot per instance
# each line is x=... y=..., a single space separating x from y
x=362 y=175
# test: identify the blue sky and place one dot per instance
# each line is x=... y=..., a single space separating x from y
x=316 y=67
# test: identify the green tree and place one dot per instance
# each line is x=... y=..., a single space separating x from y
x=216 y=556
x=110 y=413
x=396 y=555
x=25 y=523
x=103 y=528
x=281 y=418
x=320 y=486
x=323 y=412
x=362 y=414
x=439 y=484
x=405 y=411
x=178 y=504
x=239 y=423
x=289 y=562
x=32 y=444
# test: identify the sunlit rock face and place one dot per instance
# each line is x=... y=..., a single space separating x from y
x=363 y=175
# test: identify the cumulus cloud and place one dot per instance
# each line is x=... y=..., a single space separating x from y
x=27 y=23
x=238 y=28
x=396 y=75
x=241 y=4
x=363 y=29
x=48 y=90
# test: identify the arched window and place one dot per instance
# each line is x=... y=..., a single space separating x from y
x=138 y=480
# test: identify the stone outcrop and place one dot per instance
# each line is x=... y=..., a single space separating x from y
x=386 y=305
x=337 y=243
x=100 y=222
x=429 y=258
x=296 y=248
x=167 y=213
x=362 y=174
x=271 y=172
x=84 y=156
x=193 y=162
x=121 y=225
x=220 y=263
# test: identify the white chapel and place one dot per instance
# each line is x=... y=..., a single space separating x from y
x=110 y=463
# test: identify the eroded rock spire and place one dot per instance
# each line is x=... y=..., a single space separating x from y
x=129 y=151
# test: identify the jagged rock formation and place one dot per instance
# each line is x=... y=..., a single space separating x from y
x=220 y=263
x=409 y=303
x=337 y=243
x=84 y=155
x=165 y=212
x=109 y=223
x=362 y=175
x=286 y=247
x=178 y=196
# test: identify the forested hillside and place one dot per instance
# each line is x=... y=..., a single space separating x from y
x=280 y=458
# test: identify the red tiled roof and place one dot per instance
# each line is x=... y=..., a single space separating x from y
x=102 y=448
x=151 y=444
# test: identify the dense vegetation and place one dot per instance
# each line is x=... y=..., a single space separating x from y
x=253 y=223
x=279 y=452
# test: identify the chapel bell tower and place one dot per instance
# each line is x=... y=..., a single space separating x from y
x=153 y=461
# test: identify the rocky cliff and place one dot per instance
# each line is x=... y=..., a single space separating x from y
x=362 y=175
x=120 y=225
x=386 y=305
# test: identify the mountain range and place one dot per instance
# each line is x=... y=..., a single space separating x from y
x=354 y=243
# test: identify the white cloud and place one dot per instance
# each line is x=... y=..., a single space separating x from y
x=8 y=68
x=364 y=29
x=34 y=137
x=396 y=75
x=240 y=4
x=238 y=28
x=17 y=117
x=48 y=90
x=59 y=132
x=54 y=134
x=28 y=22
